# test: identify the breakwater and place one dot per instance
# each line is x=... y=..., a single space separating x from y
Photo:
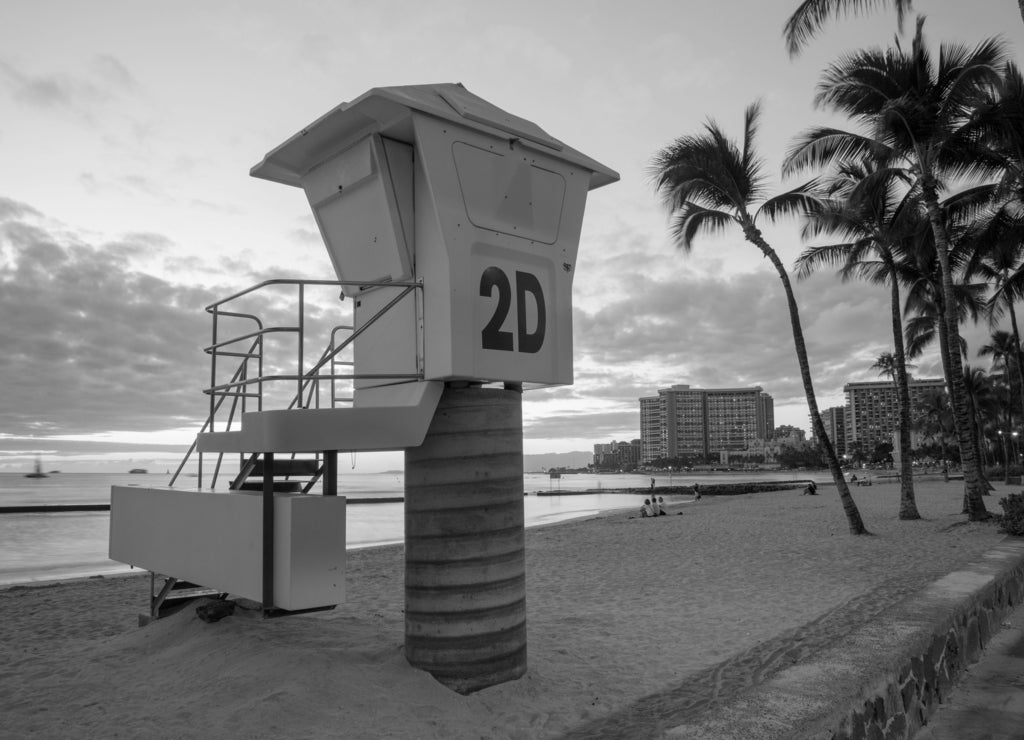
x=706 y=489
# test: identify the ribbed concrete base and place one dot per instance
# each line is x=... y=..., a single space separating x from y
x=465 y=568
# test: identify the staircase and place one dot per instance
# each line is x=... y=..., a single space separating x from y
x=325 y=413
x=289 y=475
x=289 y=447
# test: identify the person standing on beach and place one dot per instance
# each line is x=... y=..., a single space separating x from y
x=696 y=491
x=652 y=484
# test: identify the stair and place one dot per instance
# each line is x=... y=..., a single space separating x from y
x=291 y=475
x=174 y=595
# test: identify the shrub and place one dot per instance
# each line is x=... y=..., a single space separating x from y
x=997 y=472
x=1012 y=520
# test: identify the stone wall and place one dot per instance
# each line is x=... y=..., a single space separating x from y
x=902 y=704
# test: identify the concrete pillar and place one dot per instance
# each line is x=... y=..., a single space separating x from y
x=465 y=567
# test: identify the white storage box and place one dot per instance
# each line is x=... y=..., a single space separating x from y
x=214 y=539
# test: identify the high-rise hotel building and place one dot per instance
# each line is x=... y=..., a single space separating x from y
x=683 y=421
x=834 y=420
x=872 y=411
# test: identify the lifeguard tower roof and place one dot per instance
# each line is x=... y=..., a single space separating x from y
x=388 y=111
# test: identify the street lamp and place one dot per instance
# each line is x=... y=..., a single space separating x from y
x=1015 y=458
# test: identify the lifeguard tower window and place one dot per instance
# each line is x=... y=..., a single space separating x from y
x=363 y=203
x=505 y=192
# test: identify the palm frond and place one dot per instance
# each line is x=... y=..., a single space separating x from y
x=821 y=146
x=810 y=17
x=799 y=201
x=691 y=220
x=918 y=334
x=814 y=258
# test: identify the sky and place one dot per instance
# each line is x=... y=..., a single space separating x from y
x=127 y=131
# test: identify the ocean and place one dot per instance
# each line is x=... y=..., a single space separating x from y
x=44 y=547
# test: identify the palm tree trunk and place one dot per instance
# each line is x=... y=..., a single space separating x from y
x=1018 y=355
x=940 y=327
x=853 y=517
x=908 y=505
x=976 y=425
x=1007 y=427
x=984 y=460
x=972 y=481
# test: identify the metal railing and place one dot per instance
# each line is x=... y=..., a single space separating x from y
x=246 y=387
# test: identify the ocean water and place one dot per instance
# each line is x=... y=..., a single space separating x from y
x=41 y=547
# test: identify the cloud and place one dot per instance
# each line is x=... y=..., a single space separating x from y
x=90 y=341
x=114 y=73
x=643 y=323
x=12 y=209
x=96 y=83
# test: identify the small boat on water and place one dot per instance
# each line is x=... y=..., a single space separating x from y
x=139 y=471
x=38 y=472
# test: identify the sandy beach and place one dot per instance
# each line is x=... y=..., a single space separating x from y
x=634 y=626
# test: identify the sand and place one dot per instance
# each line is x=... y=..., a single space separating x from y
x=633 y=625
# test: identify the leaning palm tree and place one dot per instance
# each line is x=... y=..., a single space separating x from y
x=708 y=183
x=869 y=208
x=917 y=113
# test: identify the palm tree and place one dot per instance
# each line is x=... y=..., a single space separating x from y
x=895 y=367
x=919 y=269
x=708 y=183
x=984 y=403
x=810 y=17
x=999 y=122
x=1004 y=352
x=935 y=419
x=918 y=113
x=998 y=235
x=865 y=206
x=886 y=364
x=996 y=263
x=924 y=307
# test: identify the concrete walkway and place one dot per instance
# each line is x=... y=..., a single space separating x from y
x=987 y=703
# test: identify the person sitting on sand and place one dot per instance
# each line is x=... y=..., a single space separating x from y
x=646 y=509
x=661 y=506
x=811 y=489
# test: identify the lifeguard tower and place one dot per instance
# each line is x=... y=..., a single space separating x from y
x=453 y=227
